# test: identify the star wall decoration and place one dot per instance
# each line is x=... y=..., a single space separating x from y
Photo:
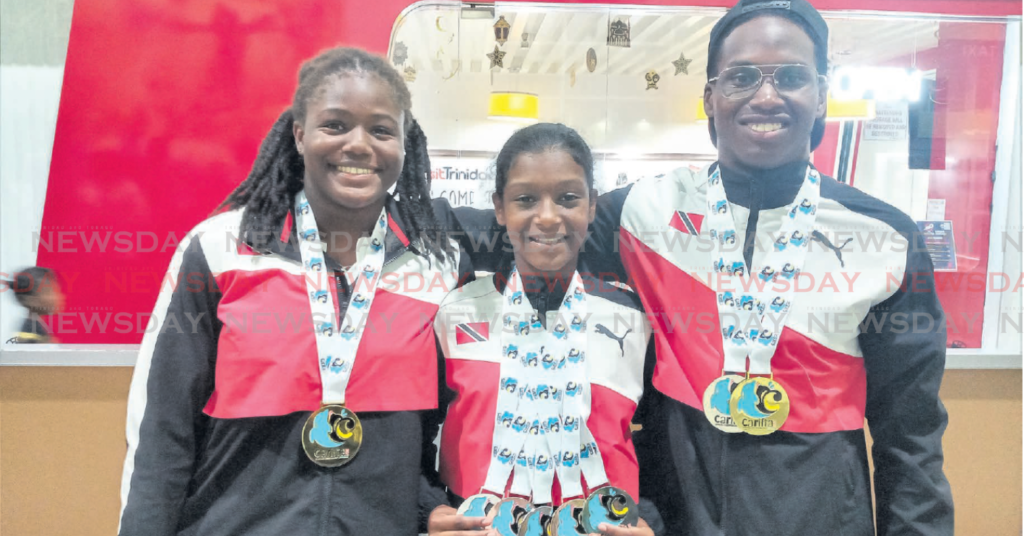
x=682 y=65
x=497 y=58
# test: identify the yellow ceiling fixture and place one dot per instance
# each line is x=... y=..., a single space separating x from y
x=514 y=106
x=837 y=110
x=850 y=110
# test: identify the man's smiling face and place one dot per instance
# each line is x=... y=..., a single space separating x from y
x=769 y=128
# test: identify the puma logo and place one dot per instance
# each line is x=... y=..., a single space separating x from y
x=605 y=331
x=816 y=235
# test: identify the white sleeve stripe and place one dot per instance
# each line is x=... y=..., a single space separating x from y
x=137 y=396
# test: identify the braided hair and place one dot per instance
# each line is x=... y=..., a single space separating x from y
x=268 y=193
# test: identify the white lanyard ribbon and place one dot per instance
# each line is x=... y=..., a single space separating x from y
x=336 y=348
x=753 y=307
x=543 y=400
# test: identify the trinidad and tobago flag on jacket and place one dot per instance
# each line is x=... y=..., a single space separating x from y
x=471 y=332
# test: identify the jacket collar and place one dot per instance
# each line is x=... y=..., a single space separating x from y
x=771 y=188
x=537 y=284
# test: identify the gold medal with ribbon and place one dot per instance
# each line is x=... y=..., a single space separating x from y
x=759 y=405
x=332 y=436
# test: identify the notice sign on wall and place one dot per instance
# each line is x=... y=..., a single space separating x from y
x=938 y=239
x=891 y=122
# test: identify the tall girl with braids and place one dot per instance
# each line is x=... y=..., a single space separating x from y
x=291 y=373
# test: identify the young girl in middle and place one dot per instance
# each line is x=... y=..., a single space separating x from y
x=545 y=362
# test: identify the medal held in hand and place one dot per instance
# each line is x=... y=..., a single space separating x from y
x=510 y=515
x=478 y=505
x=536 y=522
x=332 y=436
x=759 y=405
x=568 y=519
x=716 y=402
x=609 y=505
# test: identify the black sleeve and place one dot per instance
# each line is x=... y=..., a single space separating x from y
x=649 y=513
x=482 y=240
x=452 y=227
x=433 y=492
x=171 y=384
x=646 y=443
x=904 y=345
x=601 y=253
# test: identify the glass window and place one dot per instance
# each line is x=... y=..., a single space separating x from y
x=914 y=115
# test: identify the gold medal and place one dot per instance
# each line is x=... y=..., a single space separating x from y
x=759 y=405
x=510 y=514
x=612 y=506
x=716 y=402
x=568 y=519
x=478 y=505
x=536 y=522
x=332 y=436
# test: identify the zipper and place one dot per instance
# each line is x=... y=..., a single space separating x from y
x=723 y=494
x=325 y=500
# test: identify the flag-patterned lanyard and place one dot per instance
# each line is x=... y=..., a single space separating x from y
x=543 y=400
x=336 y=348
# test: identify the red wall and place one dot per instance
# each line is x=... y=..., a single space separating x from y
x=163 y=107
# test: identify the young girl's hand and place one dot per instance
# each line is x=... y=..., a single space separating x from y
x=642 y=529
x=445 y=521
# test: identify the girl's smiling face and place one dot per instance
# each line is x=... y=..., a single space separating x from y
x=546 y=207
x=352 y=141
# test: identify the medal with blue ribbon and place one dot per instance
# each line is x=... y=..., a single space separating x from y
x=333 y=435
x=752 y=308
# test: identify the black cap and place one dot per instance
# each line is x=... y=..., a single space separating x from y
x=800 y=11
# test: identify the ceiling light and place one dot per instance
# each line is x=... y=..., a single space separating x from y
x=850 y=110
x=514 y=106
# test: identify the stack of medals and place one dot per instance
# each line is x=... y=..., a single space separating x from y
x=750 y=306
x=333 y=434
x=540 y=427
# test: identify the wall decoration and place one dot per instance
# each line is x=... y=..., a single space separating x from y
x=591 y=60
x=497 y=58
x=455 y=70
x=618 y=32
x=526 y=40
x=682 y=65
x=501 y=30
x=409 y=74
x=401 y=54
x=652 y=78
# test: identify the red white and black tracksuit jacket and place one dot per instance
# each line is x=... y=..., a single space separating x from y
x=228 y=375
x=619 y=363
x=865 y=338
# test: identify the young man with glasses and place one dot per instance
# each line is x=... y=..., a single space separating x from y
x=727 y=458
x=787 y=308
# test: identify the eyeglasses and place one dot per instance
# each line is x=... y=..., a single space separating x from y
x=744 y=80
